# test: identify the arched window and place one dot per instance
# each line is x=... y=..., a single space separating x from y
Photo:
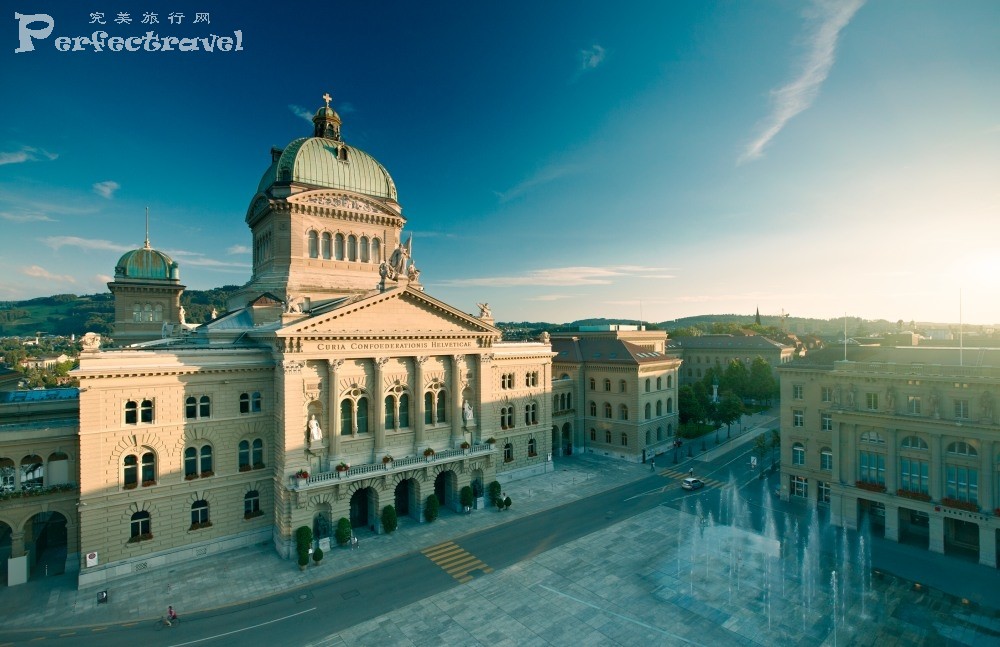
x=962 y=448
x=532 y=447
x=798 y=454
x=326 y=245
x=130 y=471
x=428 y=408
x=256 y=402
x=607 y=409
x=648 y=433
x=32 y=472
x=531 y=414
x=376 y=251
x=913 y=442
x=624 y=439
x=569 y=400
x=593 y=384
x=622 y=386
x=872 y=437
x=659 y=383
x=338 y=247
x=404 y=411
x=607 y=436
x=137 y=313
x=146 y=411
x=390 y=412
x=191 y=408
x=670 y=405
x=362 y=415
x=507 y=417
x=508 y=453
x=623 y=412
x=131 y=412
x=257 y=454
x=659 y=434
x=593 y=408
x=647 y=385
x=659 y=408
x=364 y=249
x=190 y=463
x=205 y=407
x=199 y=515
x=352 y=248
x=826 y=459
x=244 y=403
x=593 y=435
x=243 y=456
x=346 y=420
x=205 y=460
x=555 y=403
x=7 y=475
x=140 y=528
x=607 y=385
x=648 y=411
x=312 y=241
x=158 y=312
x=147 y=312
x=251 y=504
x=442 y=406
x=148 y=469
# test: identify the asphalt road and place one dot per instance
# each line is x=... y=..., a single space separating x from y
x=315 y=612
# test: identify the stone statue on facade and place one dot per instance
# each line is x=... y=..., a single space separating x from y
x=315 y=431
x=484 y=311
x=91 y=342
x=890 y=399
x=986 y=405
x=467 y=414
x=181 y=313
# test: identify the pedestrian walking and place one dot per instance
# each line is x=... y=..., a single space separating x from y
x=354 y=542
x=652 y=464
x=691 y=472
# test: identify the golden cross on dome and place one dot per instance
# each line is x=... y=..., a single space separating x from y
x=328 y=99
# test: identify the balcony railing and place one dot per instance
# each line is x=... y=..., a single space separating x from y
x=397 y=465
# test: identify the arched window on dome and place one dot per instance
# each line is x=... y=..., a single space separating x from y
x=364 y=249
x=338 y=247
x=352 y=248
x=325 y=244
x=313 y=243
x=376 y=251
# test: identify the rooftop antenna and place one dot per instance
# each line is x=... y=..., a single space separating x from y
x=147 y=227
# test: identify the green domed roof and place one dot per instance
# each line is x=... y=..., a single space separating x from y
x=327 y=163
x=146 y=263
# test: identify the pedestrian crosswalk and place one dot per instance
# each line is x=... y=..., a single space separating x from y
x=455 y=561
x=679 y=475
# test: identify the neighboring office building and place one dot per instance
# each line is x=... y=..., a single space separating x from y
x=614 y=392
x=717 y=351
x=903 y=439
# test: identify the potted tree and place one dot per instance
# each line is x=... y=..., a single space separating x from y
x=493 y=491
x=466 y=498
x=387 y=461
x=389 y=520
x=429 y=454
x=343 y=532
x=431 y=508
x=303 y=542
x=317 y=556
x=301 y=478
x=465 y=446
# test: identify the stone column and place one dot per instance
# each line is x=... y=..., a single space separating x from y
x=936 y=476
x=892 y=522
x=333 y=408
x=891 y=464
x=936 y=543
x=836 y=509
x=987 y=545
x=418 y=401
x=457 y=368
x=377 y=366
x=849 y=512
x=839 y=455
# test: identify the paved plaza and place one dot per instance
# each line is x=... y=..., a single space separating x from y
x=667 y=576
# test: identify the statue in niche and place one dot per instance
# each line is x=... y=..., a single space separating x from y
x=851 y=392
x=467 y=413
x=315 y=431
x=890 y=398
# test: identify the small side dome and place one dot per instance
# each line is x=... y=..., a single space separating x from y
x=146 y=264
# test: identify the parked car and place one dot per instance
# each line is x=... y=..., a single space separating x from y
x=692 y=483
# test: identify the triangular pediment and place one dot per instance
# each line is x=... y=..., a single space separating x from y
x=399 y=313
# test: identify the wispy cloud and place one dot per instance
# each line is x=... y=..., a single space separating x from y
x=40 y=272
x=559 y=276
x=299 y=111
x=197 y=259
x=106 y=189
x=548 y=174
x=550 y=297
x=25 y=217
x=57 y=242
x=238 y=249
x=26 y=154
x=829 y=20
x=592 y=57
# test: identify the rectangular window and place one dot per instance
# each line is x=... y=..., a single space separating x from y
x=799 y=486
x=798 y=420
x=871 y=401
x=827 y=394
x=962 y=483
x=871 y=468
x=961 y=409
x=797 y=391
x=826 y=460
x=913 y=405
x=824 y=491
x=913 y=475
x=798 y=455
x=826 y=421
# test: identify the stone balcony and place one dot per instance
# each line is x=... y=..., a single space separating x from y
x=369 y=470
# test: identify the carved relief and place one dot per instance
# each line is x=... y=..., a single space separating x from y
x=341 y=201
x=292 y=367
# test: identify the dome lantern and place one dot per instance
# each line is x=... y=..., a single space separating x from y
x=326 y=123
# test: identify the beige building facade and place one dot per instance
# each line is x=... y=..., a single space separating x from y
x=902 y=440
x=718 y=351
x=332 y=387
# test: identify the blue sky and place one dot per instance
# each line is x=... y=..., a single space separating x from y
x=559 y=160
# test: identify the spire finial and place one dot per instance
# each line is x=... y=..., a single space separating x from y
x=327 y=98
x=147 y=227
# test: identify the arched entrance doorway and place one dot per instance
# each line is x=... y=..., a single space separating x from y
x=45 y=538
x=5 y=536
x=405 y=498
x=567 y=439
x=444 y=487
x=363 y=513
x=556 y=445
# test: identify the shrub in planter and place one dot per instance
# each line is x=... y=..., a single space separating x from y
x=498 y=502
x=343 y=532
x=318 y=556
x=303 y=539
x=494 y=490
x=506 y=503
x=465 y=497
x=465 y=445
x=303 y=558
x=429 y=452
x=431 y=508
x=389 y=520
